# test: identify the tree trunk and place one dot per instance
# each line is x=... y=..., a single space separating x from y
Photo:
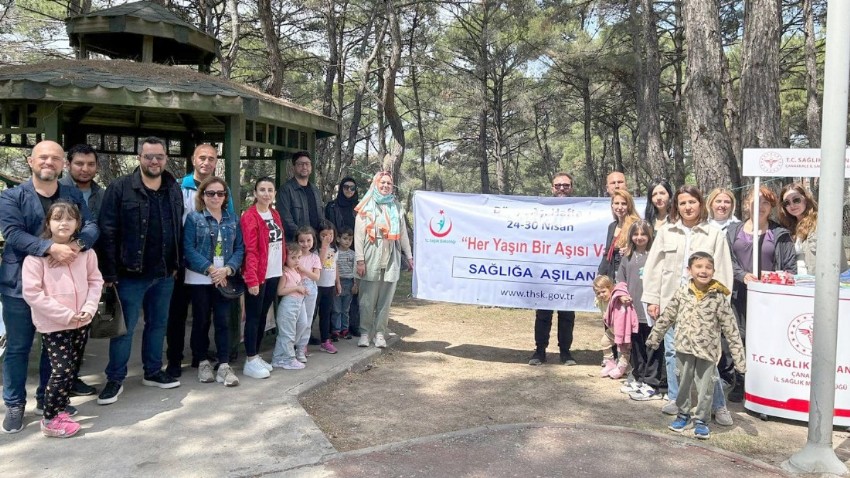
x=365 y=67
x=714 y=162
x=650 y=149
x=417 y=105
x=482 y=71
x=677 y=116
x=388 y=99
x=812 y=96
x=760 y=114
x=274 y=86
x=228 y=59
x=588 y=141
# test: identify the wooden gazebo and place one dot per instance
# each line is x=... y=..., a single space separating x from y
x=144 y=91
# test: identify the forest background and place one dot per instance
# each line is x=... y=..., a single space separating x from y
x=495 y=96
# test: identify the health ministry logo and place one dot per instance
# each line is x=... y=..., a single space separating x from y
x=443 y=225
x=801 y=333
x=770 y=162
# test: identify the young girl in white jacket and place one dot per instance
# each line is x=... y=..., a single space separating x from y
x=63 y=298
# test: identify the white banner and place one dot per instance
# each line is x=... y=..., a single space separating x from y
x=509 y=251
x=791 y=163
x=780 y=323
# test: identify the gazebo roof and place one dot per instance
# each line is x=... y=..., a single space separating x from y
x=126 y=83
x=110 y=32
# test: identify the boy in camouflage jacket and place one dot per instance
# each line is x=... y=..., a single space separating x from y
x=699 y=311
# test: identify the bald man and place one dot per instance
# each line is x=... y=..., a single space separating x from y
x=615 y=180
x=22 y=212
x=204 y=163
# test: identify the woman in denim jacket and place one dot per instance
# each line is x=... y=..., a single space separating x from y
x=213 y=251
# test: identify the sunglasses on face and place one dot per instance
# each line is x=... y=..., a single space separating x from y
x=349 y=187
x=795 y=201
x=562 y=186
x=211 y=194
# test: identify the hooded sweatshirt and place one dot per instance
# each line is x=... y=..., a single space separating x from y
x=622 y=319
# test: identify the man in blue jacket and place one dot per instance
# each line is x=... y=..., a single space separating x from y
x=140 y=252
x=204 y=162
x=22 y=212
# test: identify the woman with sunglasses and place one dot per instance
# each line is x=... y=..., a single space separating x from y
x=799 y=214
x=776 y=253
x=340 y=212
x=213 y=250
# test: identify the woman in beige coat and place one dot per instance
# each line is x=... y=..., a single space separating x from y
x=380 y=239
x=666 y=270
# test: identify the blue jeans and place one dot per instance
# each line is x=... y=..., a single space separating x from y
x=718 y=399
x=154 y=296
x=670 y=361
x=20 y=333
x=342 y=305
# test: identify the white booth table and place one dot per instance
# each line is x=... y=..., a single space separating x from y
x=779 y=352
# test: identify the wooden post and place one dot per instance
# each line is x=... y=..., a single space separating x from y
x=147 y=49
x=231 y=151
x=49 y=114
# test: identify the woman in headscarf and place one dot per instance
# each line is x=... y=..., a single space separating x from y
x=380 y=239
x=340 y=212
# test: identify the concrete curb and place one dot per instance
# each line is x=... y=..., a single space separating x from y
x=366 y=356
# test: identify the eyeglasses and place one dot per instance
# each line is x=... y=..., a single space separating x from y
x=154 y=157
x=349 y=187
x=562 y=186
x=795 y=201
x=211 y=194
x=301 y=164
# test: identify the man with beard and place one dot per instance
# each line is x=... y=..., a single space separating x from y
x=298 y=201
x=562 y=186
x=81 y=166
x=140 y=253
x=22 y=212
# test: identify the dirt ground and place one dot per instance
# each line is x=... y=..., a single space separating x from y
x=459 y=366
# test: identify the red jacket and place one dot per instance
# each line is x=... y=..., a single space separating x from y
x=255 y=233
x=621 y=319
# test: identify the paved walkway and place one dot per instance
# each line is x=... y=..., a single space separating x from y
x=260 y=429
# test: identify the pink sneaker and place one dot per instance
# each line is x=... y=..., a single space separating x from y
x=328 y=347
x=618 y=371
x=607 y=366
x=61 y=426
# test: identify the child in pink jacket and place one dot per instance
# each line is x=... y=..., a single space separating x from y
x=63 y=298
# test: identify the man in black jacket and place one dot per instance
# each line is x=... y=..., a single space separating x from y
x=562 y=186
x=299 y=202
x=140 y=251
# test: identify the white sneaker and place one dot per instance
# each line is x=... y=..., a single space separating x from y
x=300 y=356
x=293 y=364
x=205 y=372
x=379 y=341
x=265 y=364
x=364 y=341
x=255 y=369
x=226 y=376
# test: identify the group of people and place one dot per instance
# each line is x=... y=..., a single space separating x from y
x=164 y=243
x=672 y=290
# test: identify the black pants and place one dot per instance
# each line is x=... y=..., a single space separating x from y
x=79 y=363
x=256 y=310
x=178 y=310
x=63 y=349
x=325 y=306
x=543 y=327
x=648 y=368
x=206 y=302
x=354 y=314
x=726 y=366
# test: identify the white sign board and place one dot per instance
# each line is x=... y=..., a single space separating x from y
x=780 y=324
x=509 y=251
x=791 y=163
